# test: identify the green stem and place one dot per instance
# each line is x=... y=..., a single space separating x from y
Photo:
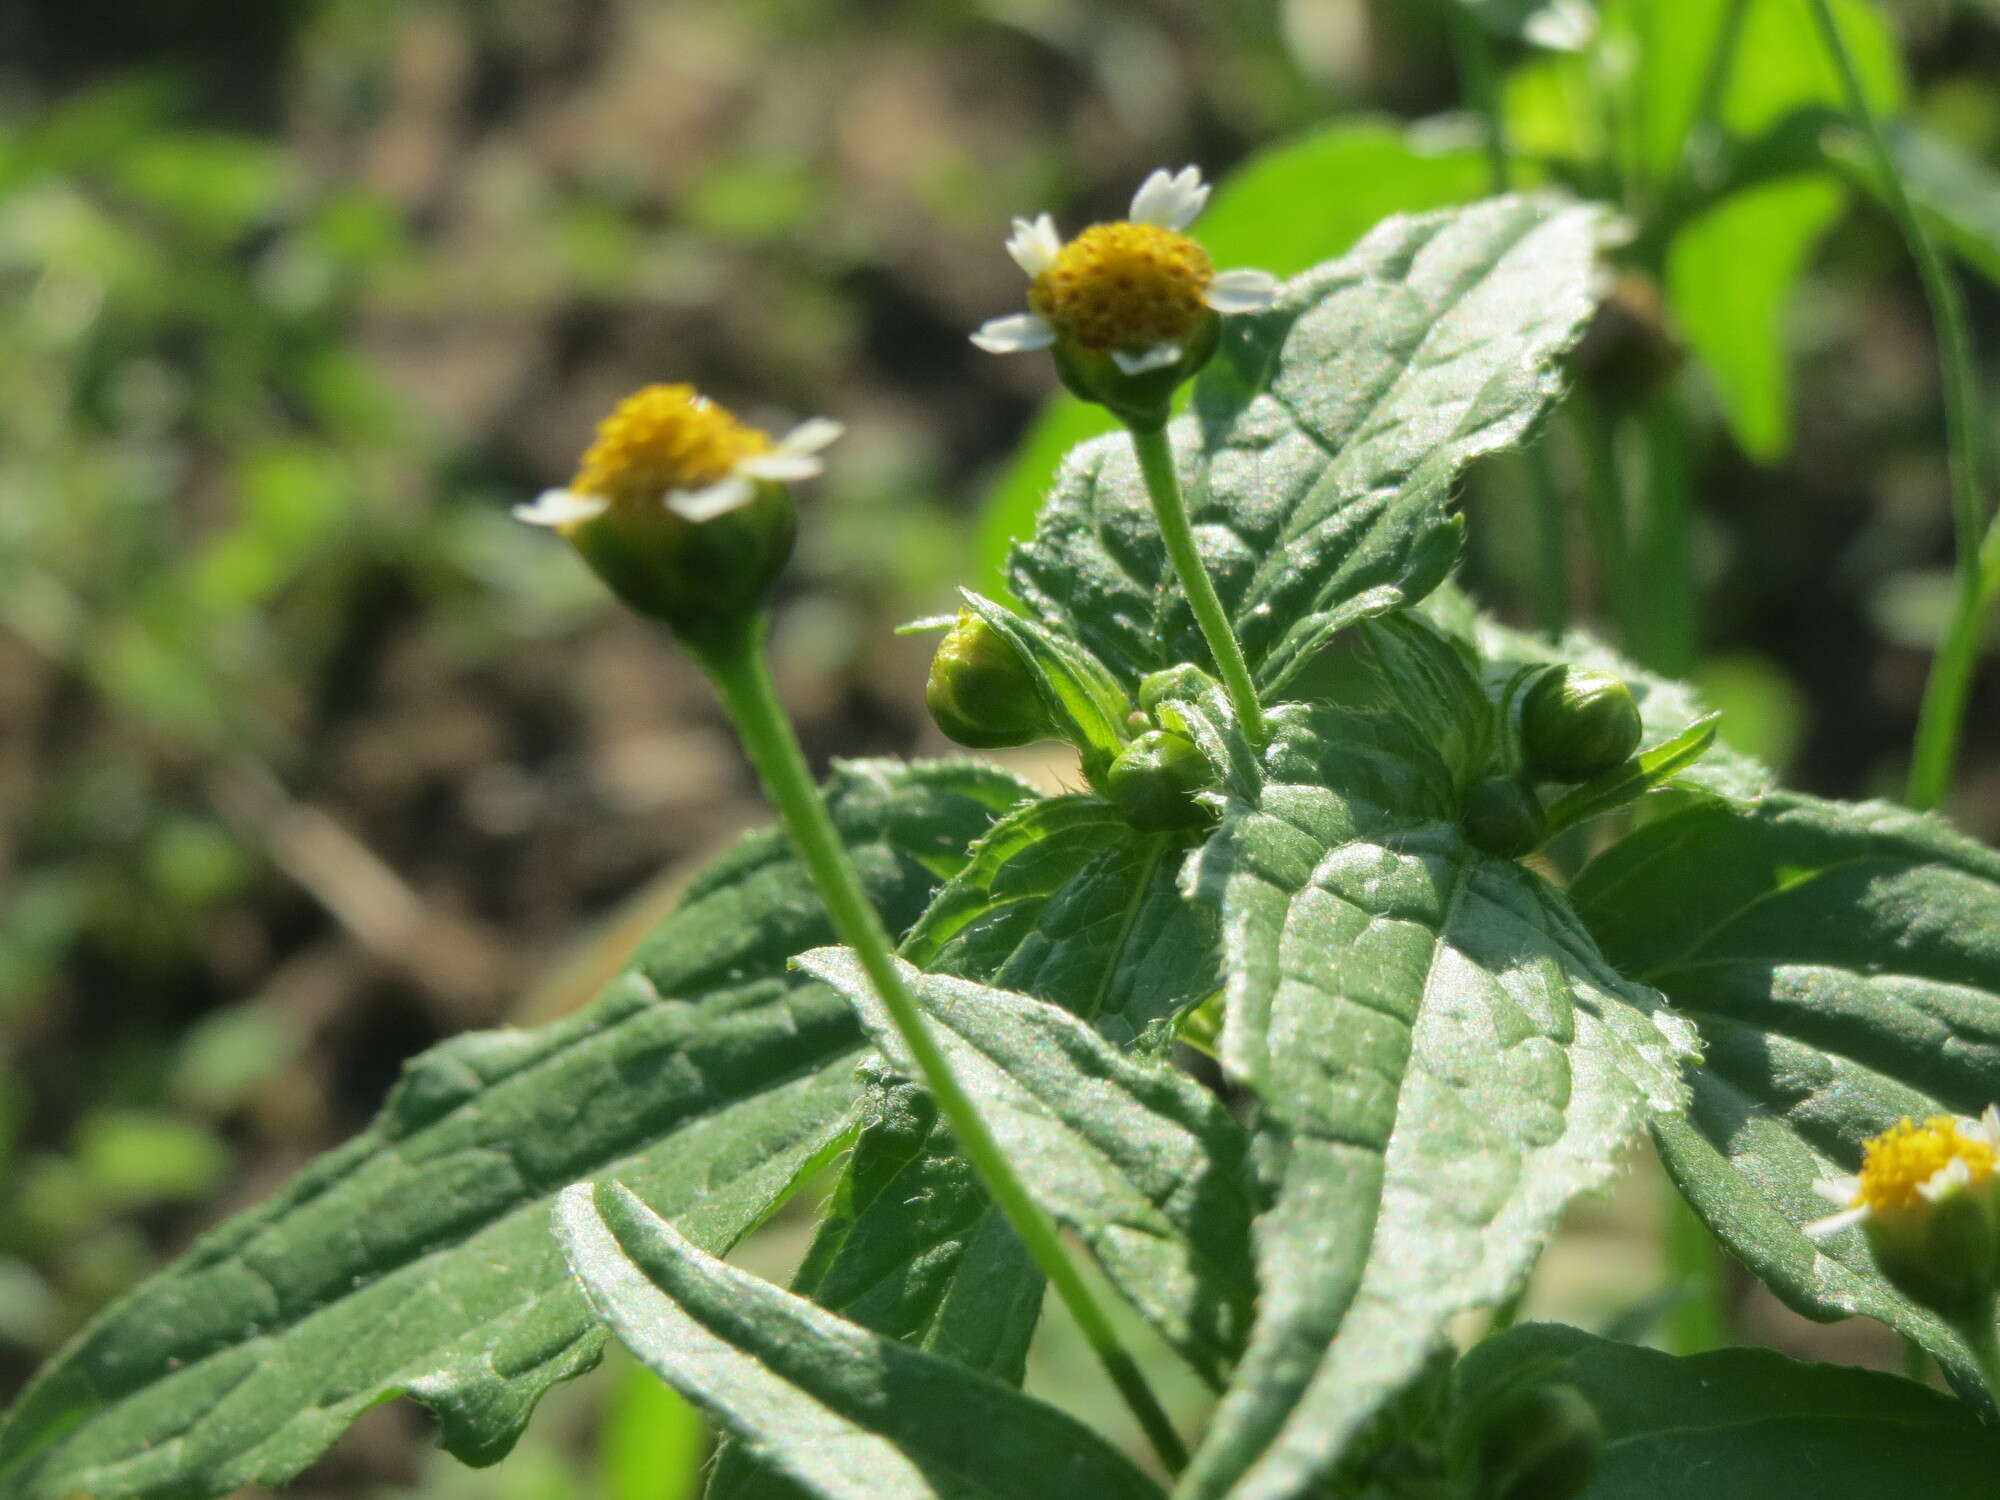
x=1552 y=562
x=1664 y=557
x=743 y=677
x=1698 y=147
x=1604 y=510
x=1699 y=1320
x=1941 y=719
x=1942 y=716
x=1474 y=51
x=1986 y=1347
x=1156 y=462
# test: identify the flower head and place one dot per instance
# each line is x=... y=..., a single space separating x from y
x=1910 y=1167
x=1928 y=1199
x=1139 y=290
x=682 y=509
x=670 y=445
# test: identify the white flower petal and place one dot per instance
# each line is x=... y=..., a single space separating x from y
x=1014 y=334
x=561 y=508
x=1832 y=1224
x=1946 y=1180
x=1034 y=245
x=1989 y=1125
x=1138 y=363
x=1839 y=1190
x=782 y=466
x=710 y=501
x=1170 y=202
x=1241 y=291
x=810 y=436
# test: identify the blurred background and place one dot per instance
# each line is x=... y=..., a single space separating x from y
x=310 y=755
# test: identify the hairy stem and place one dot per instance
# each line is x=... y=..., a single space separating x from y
x=1156 y=463
x=1942 y=717
x=743 y=676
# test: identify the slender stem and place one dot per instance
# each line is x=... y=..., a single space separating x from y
x=1698 y=148
x=1156 y=463
x=1474 y=50
x=1665 y=555
x=743 y=676
x=1941 y=719
x=1942 y=715
x=1699 y=1321
x=1551 y=543
x=1604 y=511
x=1986 y=1347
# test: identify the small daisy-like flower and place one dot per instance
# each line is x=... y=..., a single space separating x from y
x=1139 y=290
x=682 y=510
x=1911 y=1168
x=668 y=445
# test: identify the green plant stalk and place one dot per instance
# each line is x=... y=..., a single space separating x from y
x=1474 y=52
x=1667 y=638
x=1698 y=146
x=1156 y=464
x=1551 y=543
x=1604 y=510
x=1698 y=1321
x=1941 y=719
x=742 y=675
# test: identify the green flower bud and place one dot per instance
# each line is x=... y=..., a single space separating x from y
x=1503 y=816
x=980 y=692
x=1184 y=681
x=1538 y=1444
x=1154 y=780
x=1577 y=723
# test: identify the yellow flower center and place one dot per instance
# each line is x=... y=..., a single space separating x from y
x=1904 y=1157
x=1124 y=286
x=661 y=438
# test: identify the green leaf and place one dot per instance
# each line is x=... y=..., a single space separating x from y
x=1065 y=901
x=416 y=1259
x=1647 y=771
x=844 y=1413
x=1081 y=697
x=1323 y=442
x=1441 y=1059
x=1731 y=272
x=1287 y=208
x=1137 y=1159
x=1751 y=1422
x=1404 y=664
x=911 y=1247
x=1842 y=962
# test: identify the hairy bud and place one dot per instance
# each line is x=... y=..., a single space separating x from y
x=980 y=692
x=1154 y=780
x=1577 y=723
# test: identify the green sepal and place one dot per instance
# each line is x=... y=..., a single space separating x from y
x=1083 y=701
x=1142 y=400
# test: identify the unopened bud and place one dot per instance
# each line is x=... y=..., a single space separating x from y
x=980 y=692
x=1539 y=1444
x=1504 y=817
x=1576 y=723
x=1154 y=780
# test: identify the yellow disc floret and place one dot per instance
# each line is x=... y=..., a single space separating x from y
x=661 y=438
x=1125 y=286
x=1904 y=1157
